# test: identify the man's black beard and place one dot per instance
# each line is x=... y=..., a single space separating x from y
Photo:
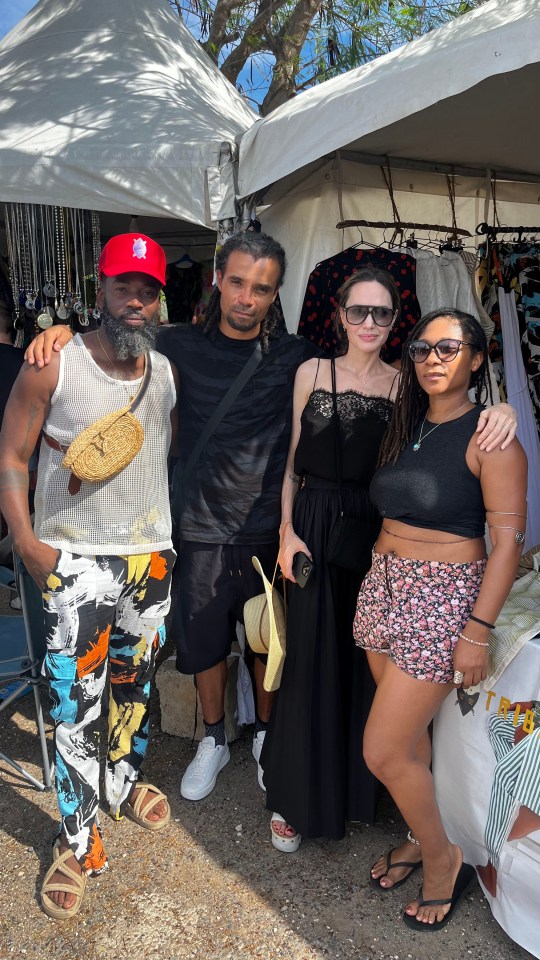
x=246 y=327
x=129 y=342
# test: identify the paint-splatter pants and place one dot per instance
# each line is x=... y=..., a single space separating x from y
x=101 y=610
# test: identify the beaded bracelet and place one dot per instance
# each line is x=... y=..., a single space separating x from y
x=475 y=643
x=484 y=623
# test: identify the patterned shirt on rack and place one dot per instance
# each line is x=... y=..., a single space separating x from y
x=515 y=267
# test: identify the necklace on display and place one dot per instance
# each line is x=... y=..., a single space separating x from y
x=61 y=308
x=129 y=393
x=421 y=438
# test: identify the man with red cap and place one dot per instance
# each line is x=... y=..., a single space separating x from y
x=100 y=551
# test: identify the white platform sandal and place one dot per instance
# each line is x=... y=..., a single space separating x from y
x=284 y=844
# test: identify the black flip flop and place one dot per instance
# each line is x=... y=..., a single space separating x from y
x=412 y=864
x=465 y=877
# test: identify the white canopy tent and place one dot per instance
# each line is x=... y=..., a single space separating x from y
x=115 y=107
x=464 y=99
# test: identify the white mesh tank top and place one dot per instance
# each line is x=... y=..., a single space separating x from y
x=130 y=513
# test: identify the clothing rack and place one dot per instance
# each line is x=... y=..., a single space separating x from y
x=484 y=229
x=402 y=225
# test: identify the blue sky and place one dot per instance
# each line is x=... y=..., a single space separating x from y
x=11 y=11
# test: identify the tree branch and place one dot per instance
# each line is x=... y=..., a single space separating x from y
x=287 y=47
x=254 y=39
x=219 y=26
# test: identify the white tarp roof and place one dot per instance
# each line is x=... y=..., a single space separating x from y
x=466 y=94
x=113 y=105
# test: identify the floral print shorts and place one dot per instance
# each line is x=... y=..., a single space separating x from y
x=414 y=611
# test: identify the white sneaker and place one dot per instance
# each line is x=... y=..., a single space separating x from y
x=200 y=777
x=256 y=751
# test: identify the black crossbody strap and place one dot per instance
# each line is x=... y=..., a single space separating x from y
x=337 y=437
x=213 y=422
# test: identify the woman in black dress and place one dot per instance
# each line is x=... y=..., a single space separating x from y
x=312 y=755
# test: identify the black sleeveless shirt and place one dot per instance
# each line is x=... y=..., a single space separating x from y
x=432 y=487
x=363 y=421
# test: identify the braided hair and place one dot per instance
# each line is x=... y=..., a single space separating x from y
x=411 y=401
x=259 y=246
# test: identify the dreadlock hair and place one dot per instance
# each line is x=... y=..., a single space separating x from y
x=411 y=401
x=365 y=274
x=259 y=246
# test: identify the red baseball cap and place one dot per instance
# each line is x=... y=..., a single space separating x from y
x=133 y=253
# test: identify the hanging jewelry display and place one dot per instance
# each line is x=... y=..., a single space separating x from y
x=14 y=280
x=96 y=250
x=44 y=320
x=59 y=239
x=13 y=275
x=77 y=229
x=96 y=244
x=50 y=289
x=52 y=254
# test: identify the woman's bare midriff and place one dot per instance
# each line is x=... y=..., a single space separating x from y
x=417 y=543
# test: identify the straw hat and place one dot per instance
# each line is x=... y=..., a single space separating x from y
x=264 y=620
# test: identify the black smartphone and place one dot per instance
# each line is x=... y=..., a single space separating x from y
x=302 y=568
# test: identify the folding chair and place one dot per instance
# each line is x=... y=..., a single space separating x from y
x=22 y=649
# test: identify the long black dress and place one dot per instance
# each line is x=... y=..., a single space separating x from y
x=314 y=771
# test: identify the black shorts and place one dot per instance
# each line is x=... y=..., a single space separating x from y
x=212 y=583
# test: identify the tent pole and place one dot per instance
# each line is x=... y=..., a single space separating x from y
x=427 y=167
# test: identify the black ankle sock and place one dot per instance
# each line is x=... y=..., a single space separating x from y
x=217 y=731
x=260 y=726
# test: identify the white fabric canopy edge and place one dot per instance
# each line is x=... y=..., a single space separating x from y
x=496 y=38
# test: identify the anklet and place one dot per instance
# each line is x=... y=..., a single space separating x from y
x=475 y=643
x=412 y=839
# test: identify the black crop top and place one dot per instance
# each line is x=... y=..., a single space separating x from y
x=432 y=487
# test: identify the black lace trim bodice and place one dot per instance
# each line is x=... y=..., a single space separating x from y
x=363 y=422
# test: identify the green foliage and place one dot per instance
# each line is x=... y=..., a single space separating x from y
x=259 y=43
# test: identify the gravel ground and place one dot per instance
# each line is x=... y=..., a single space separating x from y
x=211 y=885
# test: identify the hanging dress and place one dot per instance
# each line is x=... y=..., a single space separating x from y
x=312 y=758
x=320 y=297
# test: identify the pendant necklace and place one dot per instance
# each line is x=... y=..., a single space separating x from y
x=365 y=380
x=416 y=446
x=129 y=393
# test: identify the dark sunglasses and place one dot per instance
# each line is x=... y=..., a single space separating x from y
x=447 y=349
x=358 y=312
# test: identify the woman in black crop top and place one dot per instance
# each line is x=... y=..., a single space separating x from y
x=311 y=757
x=426 y=607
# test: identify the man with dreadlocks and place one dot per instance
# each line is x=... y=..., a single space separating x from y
x=230 y=503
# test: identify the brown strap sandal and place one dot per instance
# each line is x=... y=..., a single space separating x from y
x=76 y=888
x=141 y=808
